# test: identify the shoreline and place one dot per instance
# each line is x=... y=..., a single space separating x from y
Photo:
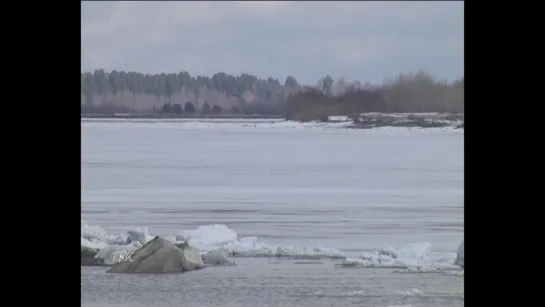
x=196 y=116
x=408 y=120
x=364 y=121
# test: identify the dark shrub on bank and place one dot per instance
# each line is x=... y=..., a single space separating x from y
x=312 y=104
x=189 y=108
x=177 y=109
x=216 y=109
x=411 y=93
x=205 y=108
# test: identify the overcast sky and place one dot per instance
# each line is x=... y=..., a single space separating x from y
x=366 y=41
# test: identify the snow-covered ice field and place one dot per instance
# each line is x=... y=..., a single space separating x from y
x=342 y=216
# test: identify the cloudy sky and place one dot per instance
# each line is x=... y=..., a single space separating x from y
x=366 y=41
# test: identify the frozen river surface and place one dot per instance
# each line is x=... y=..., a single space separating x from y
x=284 y=188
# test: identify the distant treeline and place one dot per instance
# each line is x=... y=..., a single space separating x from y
x=179 y=94
x=120 y=91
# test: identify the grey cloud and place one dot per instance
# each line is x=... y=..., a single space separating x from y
x=364 y=40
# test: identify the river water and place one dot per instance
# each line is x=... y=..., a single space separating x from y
x=297 y=187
